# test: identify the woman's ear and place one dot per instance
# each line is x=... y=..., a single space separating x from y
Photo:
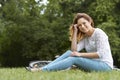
x=90 y=23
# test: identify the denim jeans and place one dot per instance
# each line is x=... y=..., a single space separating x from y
x=66 y=61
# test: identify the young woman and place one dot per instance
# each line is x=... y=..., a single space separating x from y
x=84 y=36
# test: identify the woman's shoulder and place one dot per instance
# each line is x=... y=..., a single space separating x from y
x=100 y=32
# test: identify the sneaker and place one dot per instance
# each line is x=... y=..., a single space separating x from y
x=33 y=69
x=28 y=68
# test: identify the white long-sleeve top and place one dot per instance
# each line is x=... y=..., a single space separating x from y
x=97 y=42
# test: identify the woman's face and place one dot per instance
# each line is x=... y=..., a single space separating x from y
x=84 y=25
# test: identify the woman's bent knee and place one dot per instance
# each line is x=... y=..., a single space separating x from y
x=69 y=51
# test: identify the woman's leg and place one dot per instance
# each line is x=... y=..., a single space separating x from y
x=63 y=56
x=60 y=65
x=83 y=63
x=90 y=64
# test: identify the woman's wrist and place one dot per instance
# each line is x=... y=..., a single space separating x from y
x=80 y=55
x=75 y=32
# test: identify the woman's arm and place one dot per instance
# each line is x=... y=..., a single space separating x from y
x=86 y=55
x=74 y=39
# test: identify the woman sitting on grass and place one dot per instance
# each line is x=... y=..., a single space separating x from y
x=84 y=36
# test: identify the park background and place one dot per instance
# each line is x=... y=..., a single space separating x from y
x=32 y=30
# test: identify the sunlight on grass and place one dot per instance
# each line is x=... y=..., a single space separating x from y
x=22 y=74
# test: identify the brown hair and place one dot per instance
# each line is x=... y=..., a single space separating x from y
x=80 y=35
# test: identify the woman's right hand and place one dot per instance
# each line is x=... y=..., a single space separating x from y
x=74 y=38
x=75 y=27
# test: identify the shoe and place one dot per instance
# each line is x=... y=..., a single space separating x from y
x=28 y=68
x=33 y=69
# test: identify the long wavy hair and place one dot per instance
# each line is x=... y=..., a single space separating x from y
x=80 y=35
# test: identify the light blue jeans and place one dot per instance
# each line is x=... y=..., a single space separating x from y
x=66 y=61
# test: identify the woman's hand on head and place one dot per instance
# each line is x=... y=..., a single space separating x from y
x=75 y=27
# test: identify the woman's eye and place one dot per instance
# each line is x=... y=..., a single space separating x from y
x=79 y=25
x=84 y=22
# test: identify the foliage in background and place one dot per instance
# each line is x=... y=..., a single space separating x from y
x=30 y=30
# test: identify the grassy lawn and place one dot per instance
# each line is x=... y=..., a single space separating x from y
x=22 y=74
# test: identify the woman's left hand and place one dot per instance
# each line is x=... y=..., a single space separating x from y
x=75 y=53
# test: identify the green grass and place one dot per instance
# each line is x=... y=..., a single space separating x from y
x=22 y=74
